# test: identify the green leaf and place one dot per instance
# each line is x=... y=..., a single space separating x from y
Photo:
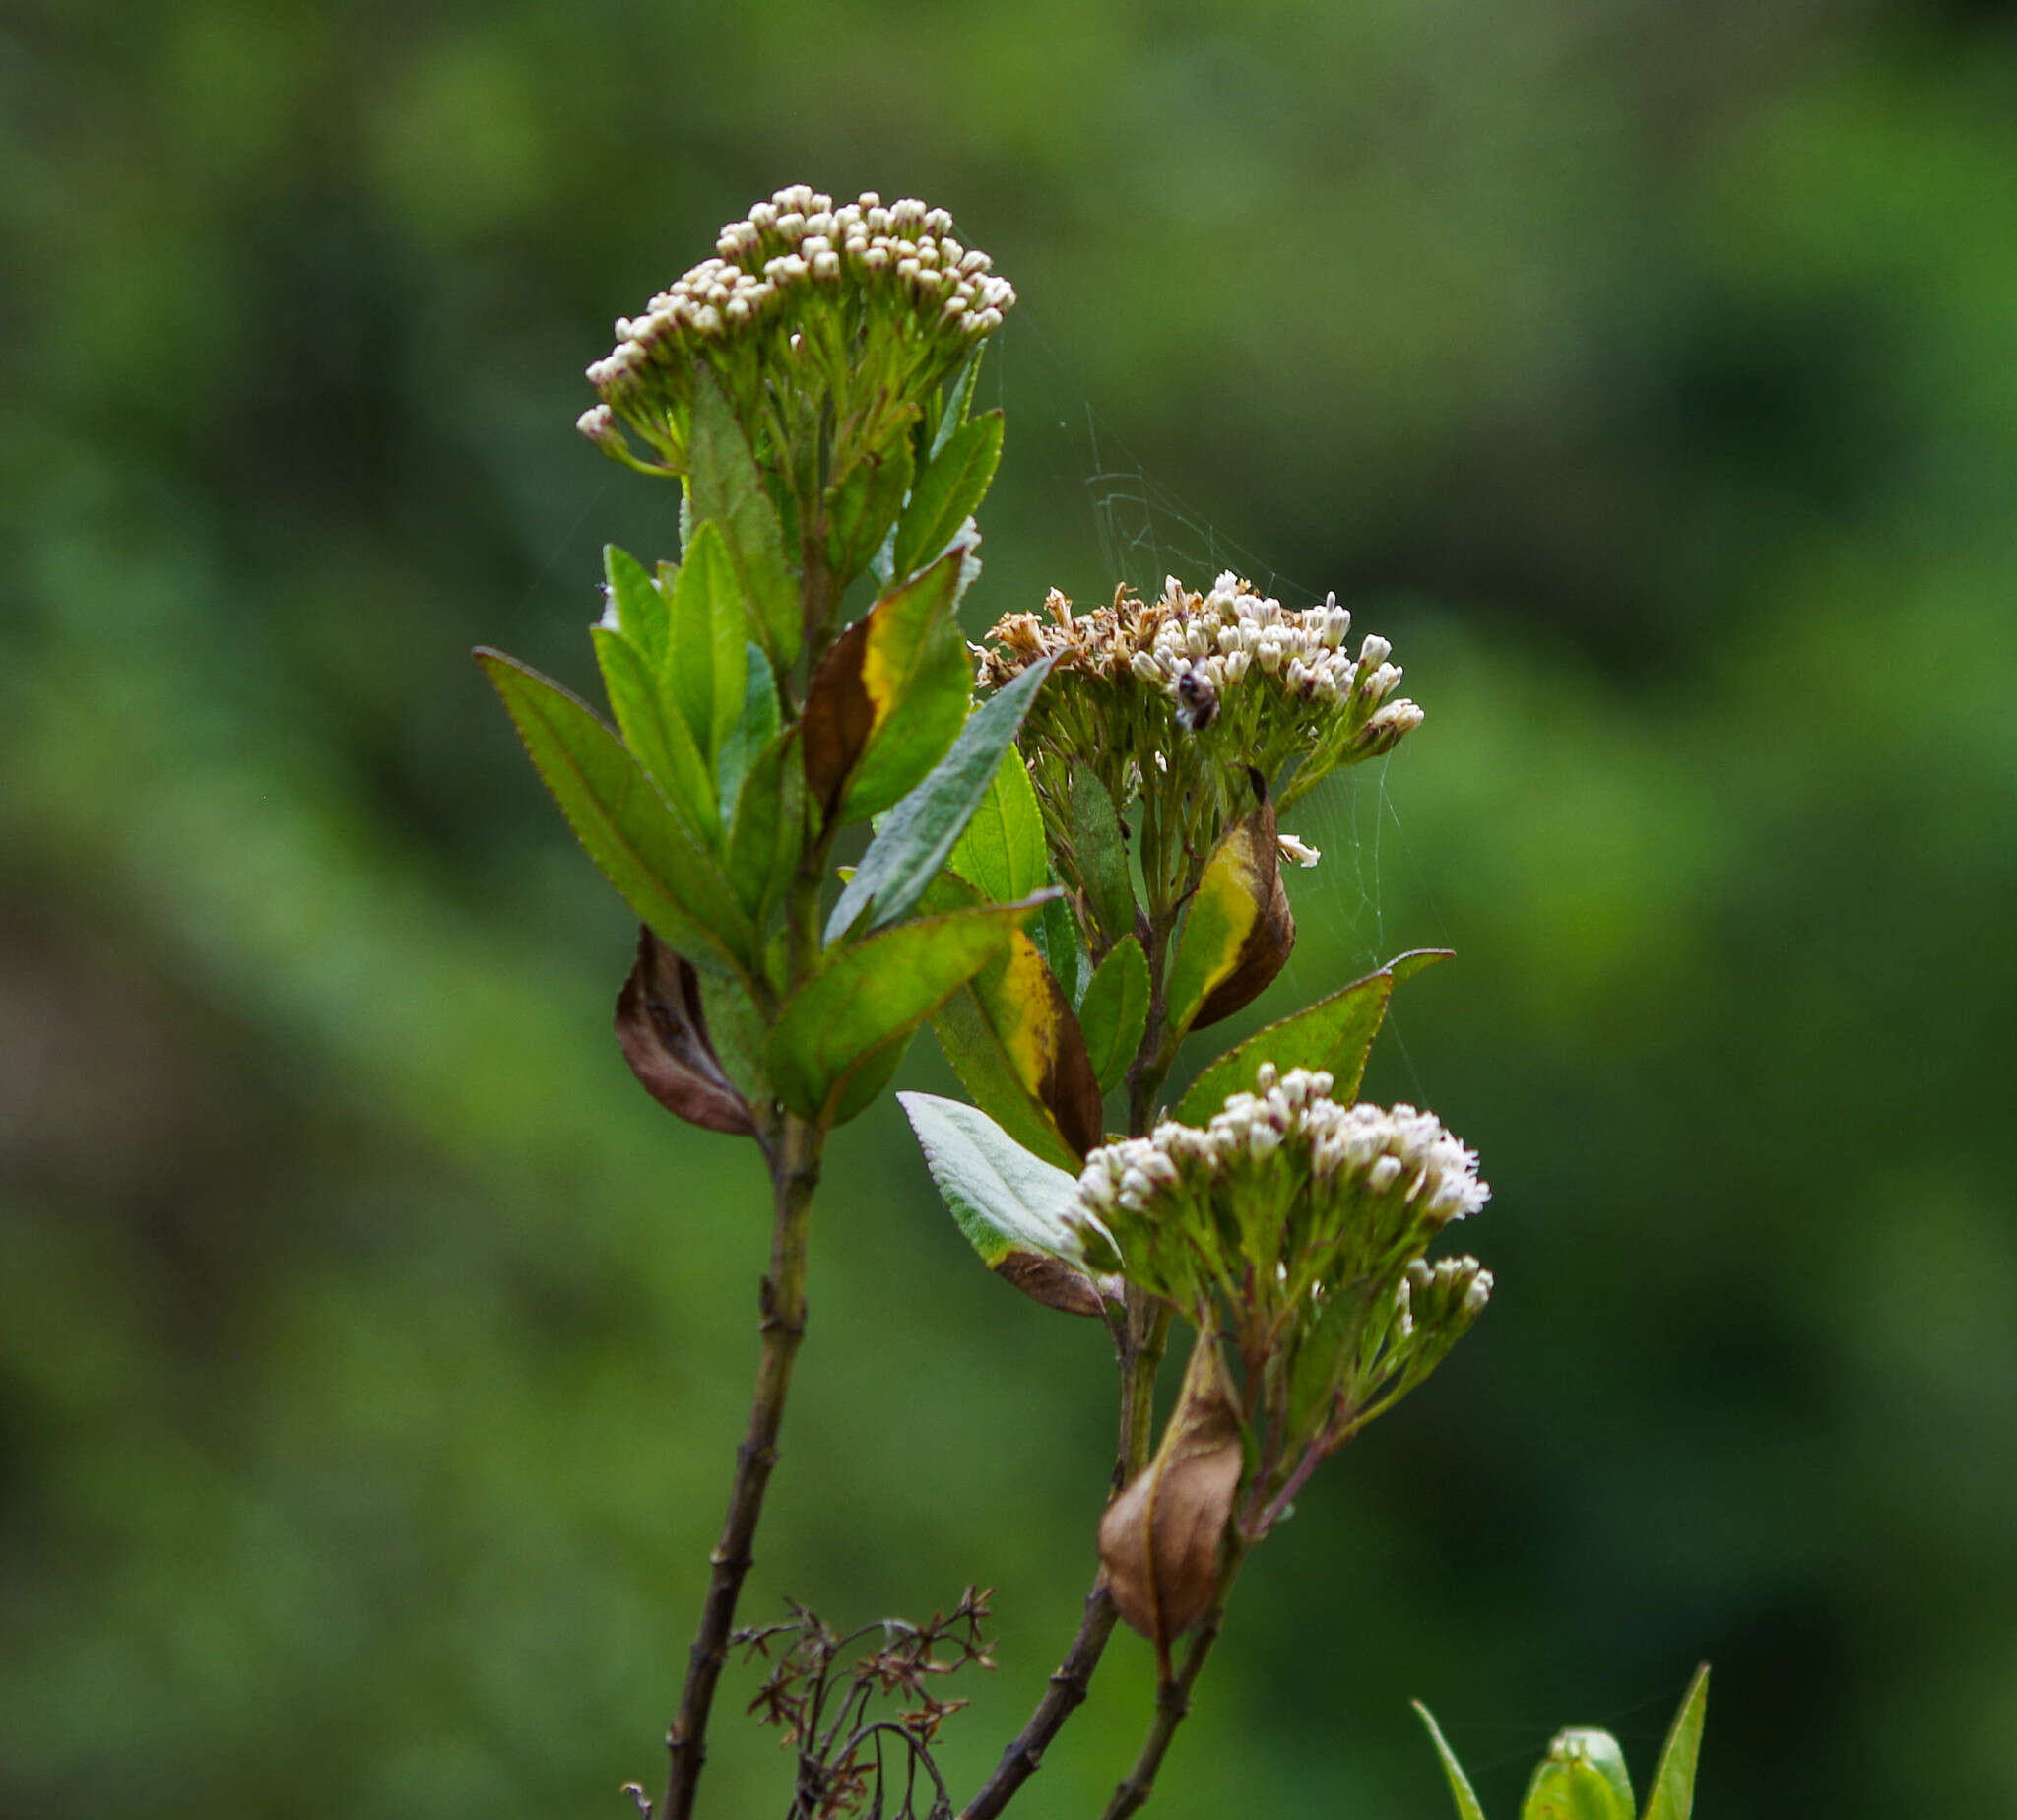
x=1002 y=854
x=622 y=824
x=1055 y=932
x=1581 y=1777
x=755 y=727
x=1460 y=1784
x=837 y=1025
x=912 y=845
x=726 y=490
x=1334 y=1034
x=636 y=608
x=740 y=1035
x=889 y=697
x=1008 y=1204
x=767 y=836
x=957 y=401
x=1102 y=856
x=1674 y=1781
x=863 y=507
x=1115 y=1011
x=706 y=658
x=1319 y=1353
x=948 y=491
x=657 y=735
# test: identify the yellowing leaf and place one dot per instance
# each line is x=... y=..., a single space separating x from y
x=1238 y=930
x=888 y=698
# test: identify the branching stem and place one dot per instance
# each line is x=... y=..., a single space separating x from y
x=1173 y=1700
x=795 y=1176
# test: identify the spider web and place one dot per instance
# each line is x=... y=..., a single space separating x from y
x=1111 y=519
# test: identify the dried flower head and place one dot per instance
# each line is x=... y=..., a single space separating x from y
x=862 y=307
x=1172 y=699
x=1260 y=682
x=1298 y=1226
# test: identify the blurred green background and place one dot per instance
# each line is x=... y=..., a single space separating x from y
x=372 y=1350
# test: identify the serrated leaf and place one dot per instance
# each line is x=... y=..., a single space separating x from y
x=862 y=510
x=738 y=1034
x=756 y=726
x=957 y=401
x=726 y=490
x=873 y=996
x=1674 y=1781
x=948 y=489
x=706 y=659
x=889 y=697
x=636 y=608
x=1467 y=1808
x=622 y=824
x=655 y=734
x=1334 y=1034
x=1101 y=853
x=1055 y=932
x=661 y=1028
x=768 y=835
x=1238 y=930
x=1115 y=1011
x=1008 y=1204
x=912 y=845
x=1001 y=852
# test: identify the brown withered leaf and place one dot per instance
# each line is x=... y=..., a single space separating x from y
x=1272 y=936
x=664 y=1034
x=1051 y=1281
x=1042 y=1043
x=839 y=716
x=1160 y=1539
x=1067 y=1084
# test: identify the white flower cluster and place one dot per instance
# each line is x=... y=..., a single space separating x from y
x=1375 y=1147
x=1233 y=628
x=1460 y=1283
x=797 y=247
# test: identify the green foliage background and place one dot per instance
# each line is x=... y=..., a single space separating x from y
x=372 y=1350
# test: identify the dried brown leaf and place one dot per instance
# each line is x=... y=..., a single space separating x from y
x=1160 y=1540
x=1051 y=1281
x=662 y=1031
x=838 y=719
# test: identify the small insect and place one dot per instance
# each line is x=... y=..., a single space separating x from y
x=1196 y=699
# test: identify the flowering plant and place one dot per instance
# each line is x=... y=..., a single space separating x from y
x=1074 y=864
